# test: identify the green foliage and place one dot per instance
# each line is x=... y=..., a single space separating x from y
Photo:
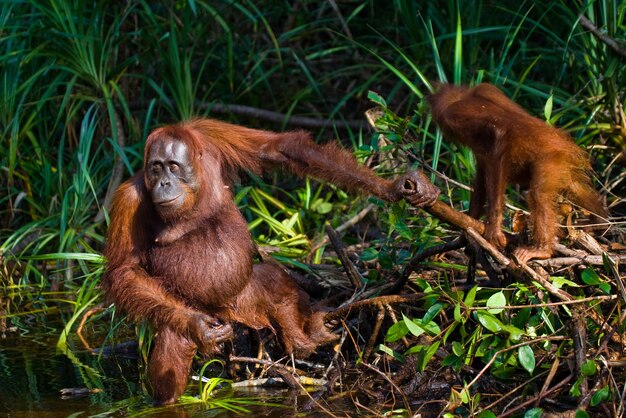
x=82 y=83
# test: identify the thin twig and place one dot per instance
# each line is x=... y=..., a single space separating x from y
x=512 y=347
x=512 y=391
x=347 y=224
x=610 y=42
x=405 y=401
x=549 y=304
x=549 y=378
x=340 y=249
x=271 y=116
x=534 y=398
x=455 y=244
x=254 y=360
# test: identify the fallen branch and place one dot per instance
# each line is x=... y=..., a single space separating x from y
x=266 y=381
x=590 y=260
x=578 y=331
x=372 y=303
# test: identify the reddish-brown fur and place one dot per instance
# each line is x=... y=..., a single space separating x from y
x=512 y=146
x=185 y=269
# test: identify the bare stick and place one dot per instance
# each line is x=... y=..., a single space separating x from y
x=610 y=42
x=372 y=303
x=340 y=249
x=277 y=117
x=377 y=326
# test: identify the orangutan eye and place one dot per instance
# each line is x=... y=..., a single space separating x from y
x=155 y=168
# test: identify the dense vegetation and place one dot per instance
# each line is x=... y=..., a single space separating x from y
x=82 y=83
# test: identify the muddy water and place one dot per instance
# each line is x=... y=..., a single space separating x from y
x=33 y=375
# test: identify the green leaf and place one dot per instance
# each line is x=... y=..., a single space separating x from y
x=376 y=98
x=605 y=287
x=547 y=109
x=575 y=389
x=515 y=334
x=457 y=348
x=471 y=295
x=496 y=300
x=396 y=331
x=432 y=312
x=465 y=396
x=560 y=281
x=486 y=414
x=416 y=349
x=424 y=353
x=533 y=413
x=600 y=396
x=457 y=313
x=590 y=277
x=369 y=254
x=588 y=368
x=526 y=358
x=581 y=414
x=489 y=321
x=429 y=353
x=451 y=360
x=391 y=352
x=431 y=327
x=413 y=328
x=324 y=208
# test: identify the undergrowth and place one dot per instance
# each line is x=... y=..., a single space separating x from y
x=83 y=83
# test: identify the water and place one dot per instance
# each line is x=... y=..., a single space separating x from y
x=33 y=373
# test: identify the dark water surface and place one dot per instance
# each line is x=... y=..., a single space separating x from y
x=33 y=373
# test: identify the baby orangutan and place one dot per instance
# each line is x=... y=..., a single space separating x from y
x=511 y=146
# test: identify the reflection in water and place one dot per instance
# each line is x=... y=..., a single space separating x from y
x=33 y=373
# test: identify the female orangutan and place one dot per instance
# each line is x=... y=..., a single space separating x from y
x=179 y=253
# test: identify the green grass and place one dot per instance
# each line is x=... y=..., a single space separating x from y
x=80 y=88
